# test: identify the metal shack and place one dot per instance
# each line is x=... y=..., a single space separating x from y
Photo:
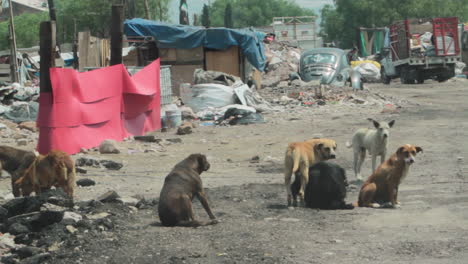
x=239 y=52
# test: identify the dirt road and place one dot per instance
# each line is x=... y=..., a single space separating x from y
x=248 y=198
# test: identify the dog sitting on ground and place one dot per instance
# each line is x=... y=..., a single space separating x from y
x=301 y=155
x=181 y=185
x=381 y=188
x=326 y=188
x=373 y=140
x=54 y=169
x=15 y=162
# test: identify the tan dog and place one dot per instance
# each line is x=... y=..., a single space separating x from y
x=381 y=188
x=301 y=155
x=15 y=162
x=54 y=169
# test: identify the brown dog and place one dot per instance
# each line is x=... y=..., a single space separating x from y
x=301 y=155
x=15 y=162
x=381 y=188
x=181 y=185
x=54 y=169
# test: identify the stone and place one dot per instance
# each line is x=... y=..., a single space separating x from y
x=84 y=151
x=185 y=129
x=70 y=218
x=81 y=170
x=255 y=159
x=36 y=259
x=3 y=214
x=71 y=229
x=17 y=228
x=174 y=140
x=85 y=182
x=129 y=201
x=282 y=84
x=22 y=142
x=111 y=165
x=110 y=196
x=98 y=216
x=151 y=139
x=26 y=252
x=108 y=147
x=28 y=125
x=87 y=162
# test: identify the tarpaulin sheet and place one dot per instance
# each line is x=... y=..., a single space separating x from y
x=86 y=108
x=189 y=37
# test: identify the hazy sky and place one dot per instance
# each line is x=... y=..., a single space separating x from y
x=195 y=6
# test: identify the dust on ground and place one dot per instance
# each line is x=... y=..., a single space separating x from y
x=249 y=199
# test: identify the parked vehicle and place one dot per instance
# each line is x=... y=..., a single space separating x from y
x=327 y=65
x=416 y=50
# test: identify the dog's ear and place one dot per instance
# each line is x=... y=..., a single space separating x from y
x=400 y=150
x=419 y=149
x=376 y=124
x=391 y=123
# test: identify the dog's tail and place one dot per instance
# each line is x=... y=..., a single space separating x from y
x=296 y=160
x=349 y=144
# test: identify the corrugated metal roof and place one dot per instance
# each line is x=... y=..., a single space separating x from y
x=36 y=4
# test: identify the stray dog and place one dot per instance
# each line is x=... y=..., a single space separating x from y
x=180 y=187
x=301 y=155
x=373 y=140
x=381 y=188
x=15 y=162
x=54 y=169
x=326 y=188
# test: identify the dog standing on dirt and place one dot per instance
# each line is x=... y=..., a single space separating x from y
x=301 y=155
x=54 y=169
x=326 y=188
x=381 y=188
x=15 y=162
x=373 y=140
x=180 y=187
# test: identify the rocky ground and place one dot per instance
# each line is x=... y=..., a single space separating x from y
x=247 y=196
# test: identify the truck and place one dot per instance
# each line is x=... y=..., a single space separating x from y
x=420 y=49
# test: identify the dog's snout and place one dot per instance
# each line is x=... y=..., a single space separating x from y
x=333 y=156
x=411 y=161
x=385 y=135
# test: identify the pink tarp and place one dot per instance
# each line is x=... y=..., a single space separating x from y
x=86 y=108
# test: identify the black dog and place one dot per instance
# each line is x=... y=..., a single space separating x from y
x=181 y=185
x=15 y=162
x=326 y=188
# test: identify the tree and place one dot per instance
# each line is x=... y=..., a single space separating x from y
x=248 y=13
x=228 y=16
x=205 y=19
x=340 y=22
x=27 y=30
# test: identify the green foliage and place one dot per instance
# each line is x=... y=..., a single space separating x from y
x=340 y=23
x=27 y=30
x=205 y=18
x=228 y=23
x=93 y=15
x=246 y=13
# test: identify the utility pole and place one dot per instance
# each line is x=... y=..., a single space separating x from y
x=47 y=52
x=116 y=33
x=147 y=14
x=13 y=58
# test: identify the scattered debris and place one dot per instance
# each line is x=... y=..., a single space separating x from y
x=108 y=147
x=85 y=182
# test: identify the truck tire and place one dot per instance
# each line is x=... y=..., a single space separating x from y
x=384 y=77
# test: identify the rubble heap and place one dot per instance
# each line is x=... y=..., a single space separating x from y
x=282 y=59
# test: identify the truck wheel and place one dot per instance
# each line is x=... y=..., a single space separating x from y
x=420 y=80
x=384 y=77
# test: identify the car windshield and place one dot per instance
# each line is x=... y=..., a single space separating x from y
x=320 y=58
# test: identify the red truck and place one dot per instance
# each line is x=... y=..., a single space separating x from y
x=419 y=49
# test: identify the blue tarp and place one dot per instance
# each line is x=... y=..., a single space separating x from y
x=189 y=37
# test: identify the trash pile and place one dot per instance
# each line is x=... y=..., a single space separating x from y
x=282 y=59
x=19 y=103
x=34 y=229
x=369 y=69
x=215 y=98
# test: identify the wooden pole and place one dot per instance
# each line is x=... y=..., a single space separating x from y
x=53 y=17
x=116 y=33
x=47 y=46
x=147 y=14
x=13 y=58
x=75 y=46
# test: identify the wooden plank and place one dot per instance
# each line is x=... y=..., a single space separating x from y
x=83 y=46
x=226 y=61
x=5 y=71
x=4 y=66
x=185 y=55
x=5 y=79
x=168 y=54
x=257 y=78
x=182 y=74
x=116 y=34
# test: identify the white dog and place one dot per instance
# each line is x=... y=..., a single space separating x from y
x=373 y=140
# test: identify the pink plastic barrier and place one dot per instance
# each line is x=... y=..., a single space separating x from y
x=89 y=107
